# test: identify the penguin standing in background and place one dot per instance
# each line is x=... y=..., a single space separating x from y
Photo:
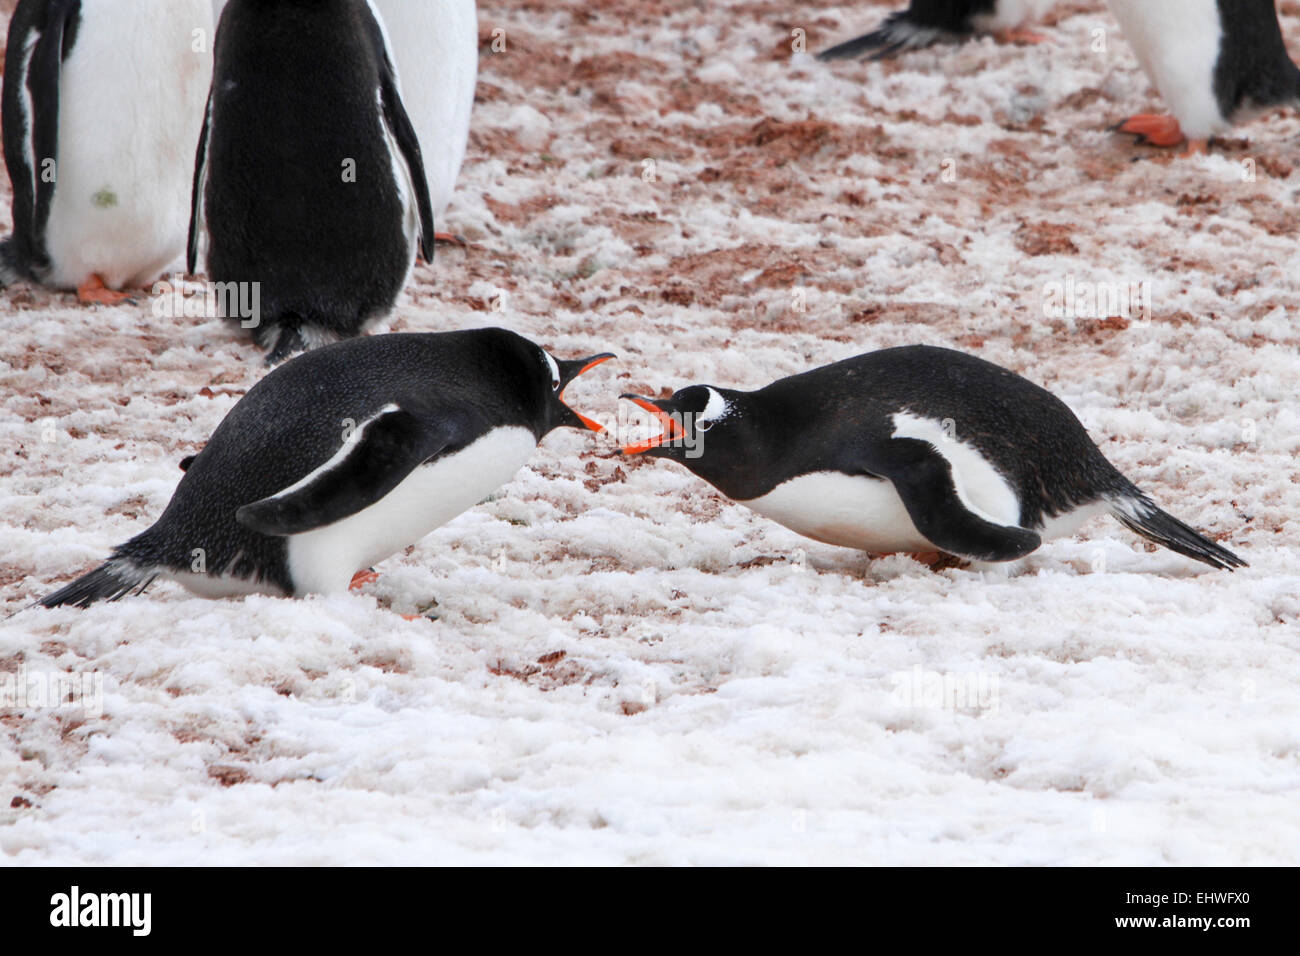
x=910 y=449
x=926 y=22
x=435 y=48
x=309 y=185
x=342 y=457
x=102 y=107
x=1209 y=60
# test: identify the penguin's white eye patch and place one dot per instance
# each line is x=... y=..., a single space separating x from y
x=555 y=371
x=716 y=410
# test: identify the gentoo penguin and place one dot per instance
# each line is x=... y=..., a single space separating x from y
x=925 y=22
x=910 y=449
x=435 y=45
x=103 y=102
x=309 y=184
x=342 y=457
x=1209 y=59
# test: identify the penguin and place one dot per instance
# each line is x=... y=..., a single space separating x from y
x=1210 y=60
x=435 y=46
x=926 y=22
x=914 y=449
x=342 y=457
x=309 y=184
x=102 y=107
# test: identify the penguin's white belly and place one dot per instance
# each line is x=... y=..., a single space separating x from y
x=1010 y=14
x=131 y=101
x=856 y=511
x=849 y=511
x=1176 y=42
x=435 y=49
x=324 y=560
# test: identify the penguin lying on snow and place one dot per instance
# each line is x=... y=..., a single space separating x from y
x=910 y=449
x=1209 y=59
x=103 y=102
x=925 y=22
x=343 y=457
x=309 y=179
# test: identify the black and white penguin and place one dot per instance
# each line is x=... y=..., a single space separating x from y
x=309 y=180
x=102 y=107
x=342 y=457
x=1210 y=60
x=925 y=22
x=910 y=449
x=435 y=47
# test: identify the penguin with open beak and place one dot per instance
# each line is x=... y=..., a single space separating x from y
x=343 y=457
x=913 y=449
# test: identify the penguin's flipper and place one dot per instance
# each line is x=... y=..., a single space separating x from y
x=924 y=481
x=378 y=456
x=196 y=194
x=37 y=39
x=398 y=124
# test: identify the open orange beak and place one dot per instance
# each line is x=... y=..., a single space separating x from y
x=590 y=364
x=672 y=427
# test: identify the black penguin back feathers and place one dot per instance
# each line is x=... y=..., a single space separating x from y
x=309 y=179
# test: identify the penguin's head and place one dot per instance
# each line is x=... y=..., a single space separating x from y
x=700 y=425
x=557 y=374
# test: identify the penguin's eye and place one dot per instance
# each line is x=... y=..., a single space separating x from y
x=555 y=383
x=703 y=426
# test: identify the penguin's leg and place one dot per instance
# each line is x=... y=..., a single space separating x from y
x=93 y=292
x=1154 y=129
x=362 y=578
x=1020 y=35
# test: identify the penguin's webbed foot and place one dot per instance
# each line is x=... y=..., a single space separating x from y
x=94 y=292
x=1020 y=35
x=1154 y=129
x=362 y=578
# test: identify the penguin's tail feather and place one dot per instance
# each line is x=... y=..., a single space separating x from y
x=1140 y=514
x=112 y=580
x=896 y=34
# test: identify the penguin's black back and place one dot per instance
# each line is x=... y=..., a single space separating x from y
x=951 y=16
x=1253 y=64
x=819 y=420
x=296 y=418
x=295 y=97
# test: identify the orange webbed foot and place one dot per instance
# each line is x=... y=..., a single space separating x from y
x=1022 y=36
x=362 y=578
x=1154 y=129
x=94 y=292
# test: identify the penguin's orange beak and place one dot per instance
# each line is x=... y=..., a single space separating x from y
x=672 y=427
x=586 y=366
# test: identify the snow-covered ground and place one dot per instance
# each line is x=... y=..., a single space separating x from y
x=627 y=668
